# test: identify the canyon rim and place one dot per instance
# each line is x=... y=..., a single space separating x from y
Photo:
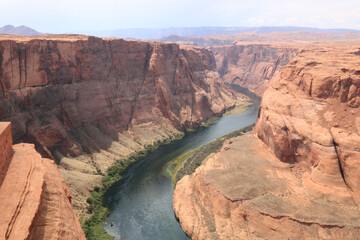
x=243 y=132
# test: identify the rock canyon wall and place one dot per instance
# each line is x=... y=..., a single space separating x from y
x=49 y=88
x=5 y=145
x=252 y=65
x=297 y=177
x=88 y=102
x=310 y=116
x=35 y=201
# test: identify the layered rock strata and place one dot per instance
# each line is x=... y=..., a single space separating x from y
x=252 y=65
x=35 y=201
x=245 y=192
x=297 y=177
x=90 y=102
x=310 y=116
x=5 y=146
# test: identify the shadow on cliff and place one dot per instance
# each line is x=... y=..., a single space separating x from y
x=253 y=96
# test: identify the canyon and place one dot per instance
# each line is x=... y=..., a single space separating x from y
x=87 y=102
x=252 y=65
x=296 y=176
x=35 y=201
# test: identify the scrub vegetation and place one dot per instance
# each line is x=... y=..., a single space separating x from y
x=93 y=227
x=187 y=163
x=179 y=167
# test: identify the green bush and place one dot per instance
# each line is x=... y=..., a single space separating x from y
x=93 y=227
x=187 y=163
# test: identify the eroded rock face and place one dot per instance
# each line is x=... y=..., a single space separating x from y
x=245 y=192
x=309 y=117
x=35 y=201
x=90 y=102
x=51 y=88
x=252 y=65
x=298 y=177
x=5 y=146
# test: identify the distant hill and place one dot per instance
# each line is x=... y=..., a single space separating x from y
x=157 y=33
x=21 y=30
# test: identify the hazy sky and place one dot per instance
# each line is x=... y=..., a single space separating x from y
x=60 y=16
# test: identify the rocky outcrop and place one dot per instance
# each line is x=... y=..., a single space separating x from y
x=108 y=83
x=35 y=201
x=297 y=177
x=309 y=117
x=5 y=146
x=89 y=102
x=245 y=192
x=252 y=65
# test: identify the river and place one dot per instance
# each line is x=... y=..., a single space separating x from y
x=141 y=204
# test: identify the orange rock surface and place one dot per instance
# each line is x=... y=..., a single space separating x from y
x=35 y=201
x=245 y=192
x=252 y=65
x=88 y=102
x=298 y=176
x=5 y=146
x=56 y=86
x=309 y=117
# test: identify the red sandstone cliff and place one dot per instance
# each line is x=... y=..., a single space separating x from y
x=245 y=62
x=5 y=147
x=310 y=116
x=252 y=65
x=90 y=102
x=51 y=88
x=35 y=201
x=298 y=176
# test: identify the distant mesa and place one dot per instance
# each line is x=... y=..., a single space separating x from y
x=21 y=30
x=176 y=34
x=158 y=33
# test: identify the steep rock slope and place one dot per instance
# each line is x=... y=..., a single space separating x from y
x=252 y=65
x=245 y=192
x=35 y=201
x=297 y=177
x=310 y=116
x=110 y=83
x=5 y=146
x=90 y=102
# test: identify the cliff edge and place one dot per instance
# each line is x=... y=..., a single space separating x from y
x=310 y=117
x=89 y=102
x=35 y=201
x=252 y=65
x=297 y=176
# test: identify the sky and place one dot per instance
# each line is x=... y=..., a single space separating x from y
x=69 y=16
